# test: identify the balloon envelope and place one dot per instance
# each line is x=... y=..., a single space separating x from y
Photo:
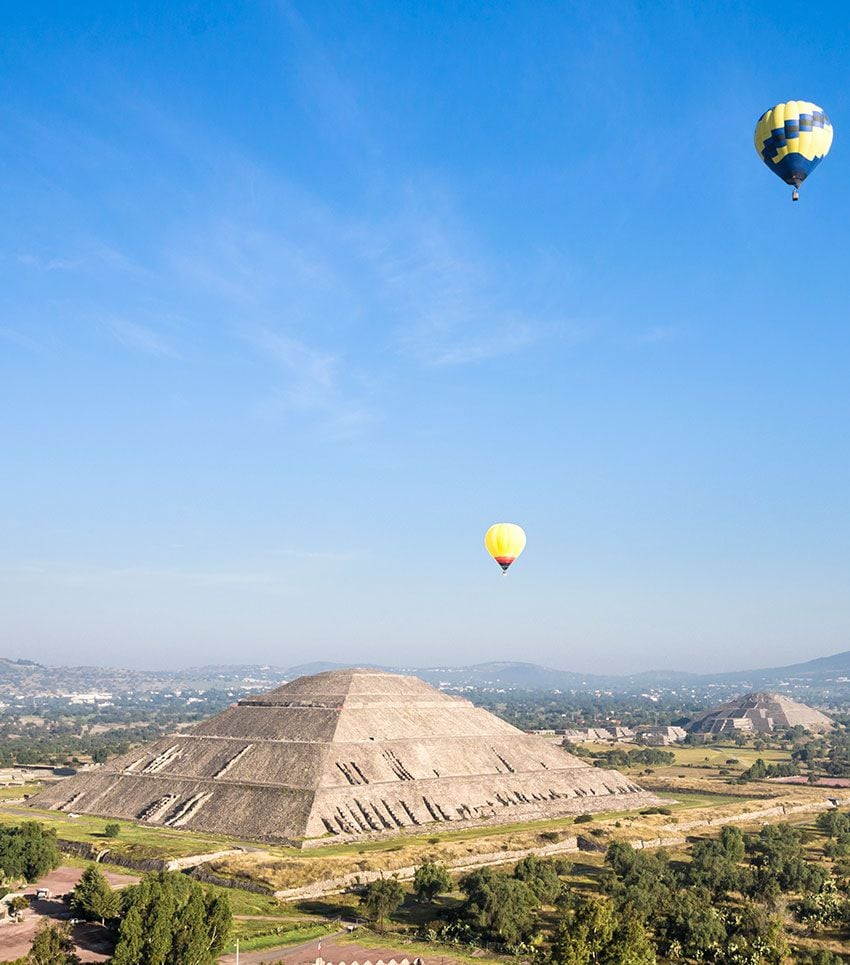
x=792 y=139
x=504 y=542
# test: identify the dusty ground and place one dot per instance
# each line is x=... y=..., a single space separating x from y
x=94 y=944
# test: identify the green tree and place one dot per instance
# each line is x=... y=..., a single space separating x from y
x=168 y=920
x=586 y=935
x=715 y=863
x=632 y=944
x=52 y=945
x=820 y=957
x=130 y=949
x=779 y=863
x=754 y=937
x=189 y=941
x=431 y=879
x=381 y=899
x=219 y=918
x=833 y=822
x=27 y=850
x=112 y=830
x=642 y=883
x=93 y=899
x=501 y=908
x=541 y=877
x=692 y=927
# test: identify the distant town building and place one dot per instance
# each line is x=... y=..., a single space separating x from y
x=598 y=734
x=660 y=736
x=759 y=713
x=89 y=698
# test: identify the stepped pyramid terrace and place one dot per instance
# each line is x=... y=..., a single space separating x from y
x=759 y=714
x=343 y=755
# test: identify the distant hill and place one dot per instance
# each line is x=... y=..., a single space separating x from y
x=830 y=675
x=532 y=676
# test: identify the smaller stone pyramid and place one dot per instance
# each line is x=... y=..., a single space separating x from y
x=759 y=713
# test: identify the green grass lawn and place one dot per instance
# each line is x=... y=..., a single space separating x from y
x=718 y=754
x=133 y=839
x=715 y=755
x=13 y=791
x=686 y=800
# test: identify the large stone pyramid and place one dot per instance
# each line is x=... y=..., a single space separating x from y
x=344 y=754
x=758 y=714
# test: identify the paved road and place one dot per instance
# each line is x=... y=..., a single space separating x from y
x=306 y=952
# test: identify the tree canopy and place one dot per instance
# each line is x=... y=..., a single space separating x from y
x=93 y=899
x=27 y=850
x=381 y=898
x=431 y=879
x=168 y=919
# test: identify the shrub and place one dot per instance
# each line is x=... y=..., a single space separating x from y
x=112 y=830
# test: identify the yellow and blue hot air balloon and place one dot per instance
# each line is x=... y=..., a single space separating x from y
x=792 y=139
x=504 y=542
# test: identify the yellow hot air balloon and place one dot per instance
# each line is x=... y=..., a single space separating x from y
x=504 y=542
x=792 y=139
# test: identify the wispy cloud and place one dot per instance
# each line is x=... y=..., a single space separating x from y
x=22 y=339
x=142 y=338
x=46 y=264
x=329 y=556
x=83 y=577
x=331 y=100
x=452 y=302
x=313 y=381
x=659 y=333
x=338 y=301
x=512 y=338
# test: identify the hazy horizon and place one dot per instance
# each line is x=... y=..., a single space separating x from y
x=299 y=299
x=411 y=667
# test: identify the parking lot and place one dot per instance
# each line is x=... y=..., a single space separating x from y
x=94 y=944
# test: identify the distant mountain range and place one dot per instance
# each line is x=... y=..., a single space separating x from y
x=826 y=674
x=532 y=676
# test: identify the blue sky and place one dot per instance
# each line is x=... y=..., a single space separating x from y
x=298 y=299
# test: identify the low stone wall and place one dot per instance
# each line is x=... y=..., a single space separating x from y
x=243 y=884
x=658 y=843
x=193 y=860
x=778 y=810
x=91 y=852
